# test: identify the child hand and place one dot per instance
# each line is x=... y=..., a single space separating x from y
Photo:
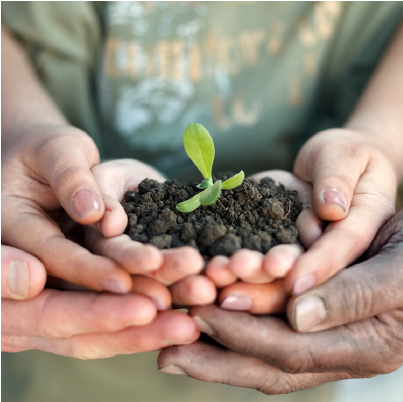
x=177 y=268
x=261 y=289
x=354 y=188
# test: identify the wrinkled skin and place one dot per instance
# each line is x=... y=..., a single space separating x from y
x=360 y=336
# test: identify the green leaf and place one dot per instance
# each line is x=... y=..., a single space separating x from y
x=210 y=195
x=200 y=148
x=206 y=183
x=234 y=181
x=189 y=205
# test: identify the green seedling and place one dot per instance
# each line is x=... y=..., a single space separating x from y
x=199 y=147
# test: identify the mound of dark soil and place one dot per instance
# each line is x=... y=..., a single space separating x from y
x=254 y=216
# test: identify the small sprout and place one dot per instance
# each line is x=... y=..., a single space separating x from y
x=189 y=205
x=199 y=147
x=209 y=197
x=206 y=183
x=234 y=181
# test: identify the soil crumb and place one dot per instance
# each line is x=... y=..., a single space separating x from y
x=254 y=216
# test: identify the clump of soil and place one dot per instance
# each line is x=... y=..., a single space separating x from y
x=254 y=216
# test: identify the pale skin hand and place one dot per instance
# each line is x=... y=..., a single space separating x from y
x=97 y=325
x=178 y=268
x=361 y=309
x=261 y=288
x=354 y=173
x=93 y=325
x=363 y=163
x=45 y=165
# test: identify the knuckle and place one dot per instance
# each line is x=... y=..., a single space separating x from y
x=298 y=362
x=51 y=145
x=356 y=298
x=391 y=334
x=49 y=326
x=278 y=385
x=65 y=174
x=83 y=351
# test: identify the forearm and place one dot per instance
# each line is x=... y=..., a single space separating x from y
x=380 y=110
x=25 y=102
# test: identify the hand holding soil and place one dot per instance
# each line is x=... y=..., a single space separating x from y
x=352 y=330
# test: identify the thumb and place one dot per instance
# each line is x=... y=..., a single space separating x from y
x=23 y=276
x=364 y=290
x=65 y=161
x=333 y=171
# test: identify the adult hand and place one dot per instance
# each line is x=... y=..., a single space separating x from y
x=92 y=325
x=45 y=170
x=359 y=314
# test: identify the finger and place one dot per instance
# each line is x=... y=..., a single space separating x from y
x=268 y=298
x=178 y=263
x=279 y=260
x=135 y=257
x=353 y=179
x=354 y=294
x=169 y=328
x=310 y=227
x=159 y=293
x=247 y=265
x=392 y=227
x=192 y=291
x=218 y=271
x=82 y=312
x=114 y=179
x=359 y=347
x=114 y=220
x=350 y=236
x=65 y=161
x=62 y=258
x=209 y=363
x=333 y=170
x=370 y=208
x=22 y=275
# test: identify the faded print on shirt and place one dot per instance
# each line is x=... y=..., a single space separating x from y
x=247 y=71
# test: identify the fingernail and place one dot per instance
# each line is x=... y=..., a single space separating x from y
x=114 y=286
x=236 y=302
x=302 y=284
x=202 y=326
x=18 y=278
x=85 y=201
x=159 y=303
x=334 y=196
x=172 y=370
x=309 y=312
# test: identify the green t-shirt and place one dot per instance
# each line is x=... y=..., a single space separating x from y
x=260 y=76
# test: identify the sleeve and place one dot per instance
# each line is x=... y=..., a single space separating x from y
x=364 y=35
x=63 y=40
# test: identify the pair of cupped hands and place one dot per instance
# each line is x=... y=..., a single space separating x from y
x=62 y=224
